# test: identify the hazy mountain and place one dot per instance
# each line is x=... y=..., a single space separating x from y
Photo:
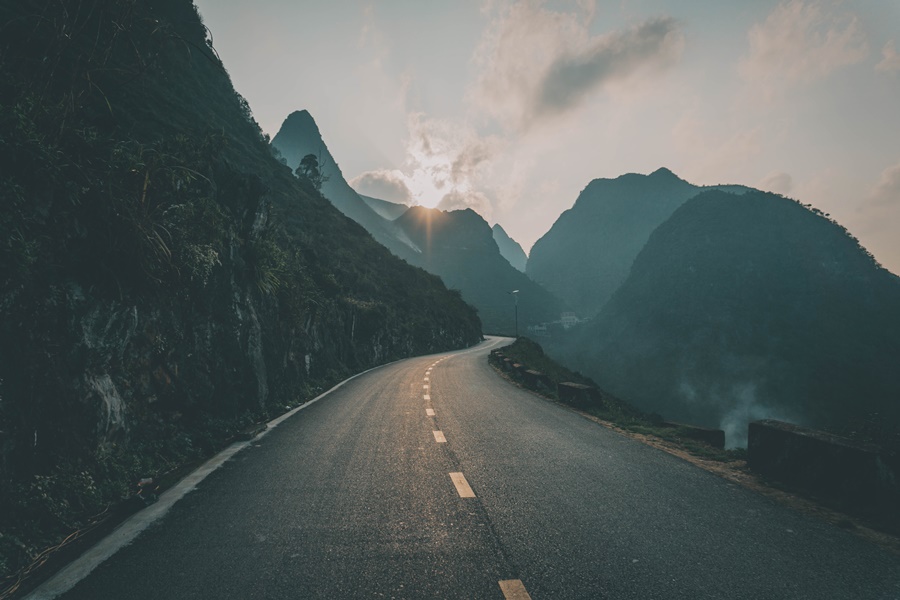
x=459 y=246
x=587 y=253
x=750 y=306
x=164 y=280
x=298 y=136
x=388 y=210
x=509 y=248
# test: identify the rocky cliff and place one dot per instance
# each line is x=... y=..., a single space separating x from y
x=164 y=279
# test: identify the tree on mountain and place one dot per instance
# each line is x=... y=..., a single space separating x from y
x=310 y=169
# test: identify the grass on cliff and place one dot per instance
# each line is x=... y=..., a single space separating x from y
x=134 y=181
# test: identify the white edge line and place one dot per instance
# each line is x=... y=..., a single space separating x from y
x=69 y=576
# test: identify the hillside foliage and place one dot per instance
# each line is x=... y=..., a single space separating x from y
x=747 y=307
x=164 y=280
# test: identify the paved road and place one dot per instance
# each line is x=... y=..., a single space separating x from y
x=353 y=498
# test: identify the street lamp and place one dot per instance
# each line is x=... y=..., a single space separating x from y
x=515 y=294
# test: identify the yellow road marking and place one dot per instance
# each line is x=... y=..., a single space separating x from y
x=462 y=486
x=429 y=412
x=514 y=589
x=439 y=437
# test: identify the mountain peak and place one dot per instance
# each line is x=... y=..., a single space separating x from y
x=298 y=122
x=663 y=172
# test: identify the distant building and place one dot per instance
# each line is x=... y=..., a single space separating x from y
x=568 y=319
x=538 y=331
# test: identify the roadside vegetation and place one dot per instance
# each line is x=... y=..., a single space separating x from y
x=165 y=281
x=614 y=412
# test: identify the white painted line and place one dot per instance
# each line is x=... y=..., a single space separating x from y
x=429 y=412
x=439 y=437
x=68 y=577
x=427 y=397
x=425 y=387
x=514 y=589
x=462 y=486
x=426 y=379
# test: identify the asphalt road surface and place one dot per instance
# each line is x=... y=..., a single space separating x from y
x=436 y=478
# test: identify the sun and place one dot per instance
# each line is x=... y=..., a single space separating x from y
x=424 y=189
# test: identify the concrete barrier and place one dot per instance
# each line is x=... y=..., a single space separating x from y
x=859 y=476
x=713 y=437
x=536 y=380
x=579 y=395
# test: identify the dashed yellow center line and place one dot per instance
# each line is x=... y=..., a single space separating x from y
x=439 y=437
x=429 y=412
x=462 y=486
x=514 y=589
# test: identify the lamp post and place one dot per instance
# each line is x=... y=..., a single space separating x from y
x=515 y=294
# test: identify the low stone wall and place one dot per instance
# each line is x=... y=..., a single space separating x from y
x=536 y=380
x=859 y=476
x=579 y=395
x=713 y=437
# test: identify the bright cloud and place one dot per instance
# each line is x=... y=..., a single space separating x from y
x=801 y=42
x=536 y=63
x=463 y=199
x=887 y=191
x=446 y=162
x=386 y=184
x=779 y=183
x=890 y=61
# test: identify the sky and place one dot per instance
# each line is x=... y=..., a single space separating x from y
x=513 y=107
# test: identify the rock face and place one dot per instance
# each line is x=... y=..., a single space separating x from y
x=509 y=248
x=459 y=246
x=588 y=252
x=163 y=275
x=744 y=307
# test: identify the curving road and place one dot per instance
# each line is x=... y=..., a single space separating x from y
x=353 y=498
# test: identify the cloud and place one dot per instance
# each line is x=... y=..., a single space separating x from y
x=715 y=155
x=385 y=184
x=537 y=63
x=801 y=42
x=446 y=160
x=890 y=62
x=461 y=200
x=779 y=183
x=887 y=191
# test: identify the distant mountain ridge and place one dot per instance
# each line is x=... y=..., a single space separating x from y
x=457 y=246
x=388 y=210
x=588 y=252
x=745 y=307
x=509 y=248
